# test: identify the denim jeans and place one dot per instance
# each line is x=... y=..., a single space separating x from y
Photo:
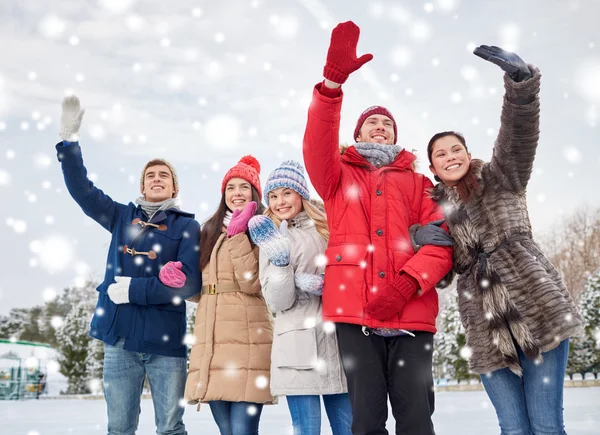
x=236 y=418
x=124 y=374
x=533 y=404
x=306 y=413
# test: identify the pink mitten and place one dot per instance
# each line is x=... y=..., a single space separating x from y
x=171 y=274
x=239 y=220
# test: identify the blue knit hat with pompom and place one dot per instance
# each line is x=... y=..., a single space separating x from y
x=290 y=174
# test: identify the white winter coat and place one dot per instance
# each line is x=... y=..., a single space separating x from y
x=305 y=358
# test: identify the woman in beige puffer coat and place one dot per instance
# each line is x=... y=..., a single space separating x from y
x=230 y=360
x=305 y=361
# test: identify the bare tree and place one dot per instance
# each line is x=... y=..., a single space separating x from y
x=573 y=246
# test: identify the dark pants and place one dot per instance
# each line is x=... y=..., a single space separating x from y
x=376 y=367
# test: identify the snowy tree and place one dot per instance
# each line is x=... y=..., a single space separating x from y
x=73 y=346
x=14 y=324
x=585 y=351
x=448 y=343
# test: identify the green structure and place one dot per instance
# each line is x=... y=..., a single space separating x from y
x=21 y=378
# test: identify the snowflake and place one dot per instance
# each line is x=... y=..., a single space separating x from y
x=261 y=382
x=252 y=410
x=469 y=73
x=329 y=327
x=165 y=338
x=138 y=260
x=484 y=283
x=587 y=80
x=572 y=154
x=49 y=294
x=56 y=322
x=401 y=56
x=182 y=403
x=177 y=300
x=189 y=339
x=510 y=34
x=135 y=23
x=197 y=12
x=73 y=40
x=342 y=287
x=420 y=31
x=401 y=363
x=52 y=26
x=428 y=7
x=95 y=385
x=310 y=322
x=320 y=260
x=447 y=5
x=465 y=352
x=117 y=6
x=100 y=311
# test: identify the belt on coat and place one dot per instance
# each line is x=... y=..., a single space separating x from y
x=480 y=257
x=213 y=289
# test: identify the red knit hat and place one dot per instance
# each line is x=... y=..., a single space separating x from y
x=247 y=168
x=374 y=110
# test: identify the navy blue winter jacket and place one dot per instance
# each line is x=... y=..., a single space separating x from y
x=154 y=319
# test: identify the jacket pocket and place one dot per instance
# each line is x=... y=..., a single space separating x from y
x=345 y=279
x=164 y=328
x=295 y=349
x=105 y=313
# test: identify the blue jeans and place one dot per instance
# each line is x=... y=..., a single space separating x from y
x=236 y=418
x=532 y=405
x=306 y=413
x=124 y=374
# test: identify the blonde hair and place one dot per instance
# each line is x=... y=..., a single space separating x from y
x=313 y=211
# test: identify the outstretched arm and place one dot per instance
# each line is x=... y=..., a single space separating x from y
x=517 y=141
x=321 y=138
x=94 y=203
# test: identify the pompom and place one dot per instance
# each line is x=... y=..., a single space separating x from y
x=251 y=161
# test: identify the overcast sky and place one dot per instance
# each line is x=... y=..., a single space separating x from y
x=203 y=83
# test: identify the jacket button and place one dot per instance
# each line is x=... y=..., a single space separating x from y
x=338 y=258
x=381 y=274
x=380 y=232
x=378 y=192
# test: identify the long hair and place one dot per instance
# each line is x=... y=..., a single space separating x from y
x=468 y=185
x=313 y=211
x=213 y=226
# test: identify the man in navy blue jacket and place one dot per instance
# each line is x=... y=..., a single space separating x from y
x=140 y=320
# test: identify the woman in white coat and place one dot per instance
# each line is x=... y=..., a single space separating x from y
x=305 y=361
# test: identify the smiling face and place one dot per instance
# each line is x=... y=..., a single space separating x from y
x=158 y=183
x=450 y=160
x=238 y=193
x=285 y=203
x=377 y=129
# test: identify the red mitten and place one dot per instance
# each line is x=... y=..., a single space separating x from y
x=171 y=274
x=391 y=299
x=240 y=219
x=341 y=57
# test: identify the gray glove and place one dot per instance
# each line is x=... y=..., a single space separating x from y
x=309 y=283
x=511 y=63
x=70 y=120
x=432 y=234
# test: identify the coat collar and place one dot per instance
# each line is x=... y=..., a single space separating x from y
x=163 y=214
x=404 y=160
x=301 y=221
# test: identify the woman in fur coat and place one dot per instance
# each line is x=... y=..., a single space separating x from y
x=516 y=311
x=305 y=361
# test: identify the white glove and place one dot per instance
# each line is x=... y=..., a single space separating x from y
x=70 y=120
x=119 y=292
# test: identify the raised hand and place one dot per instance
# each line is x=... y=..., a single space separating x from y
x=70 y=119
x=341 y=56
x=432 y=234
x=274 y=244
x=510 y=62
x=240 y=218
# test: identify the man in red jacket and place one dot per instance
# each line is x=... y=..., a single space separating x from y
x=378 y=291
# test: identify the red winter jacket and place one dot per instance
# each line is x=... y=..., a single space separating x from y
x=369 y=211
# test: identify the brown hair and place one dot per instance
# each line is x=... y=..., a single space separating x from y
x=468 y=185
x=313 y=211
x=212 y=227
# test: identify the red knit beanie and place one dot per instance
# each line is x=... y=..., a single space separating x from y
x=374 y=110
x=247 y=168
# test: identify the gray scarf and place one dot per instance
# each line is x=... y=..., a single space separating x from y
x=151 y=208
x=378 y=154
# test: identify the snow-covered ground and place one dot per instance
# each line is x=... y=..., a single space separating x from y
x=463 y=413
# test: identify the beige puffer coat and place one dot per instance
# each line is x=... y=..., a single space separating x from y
x=232 y=354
